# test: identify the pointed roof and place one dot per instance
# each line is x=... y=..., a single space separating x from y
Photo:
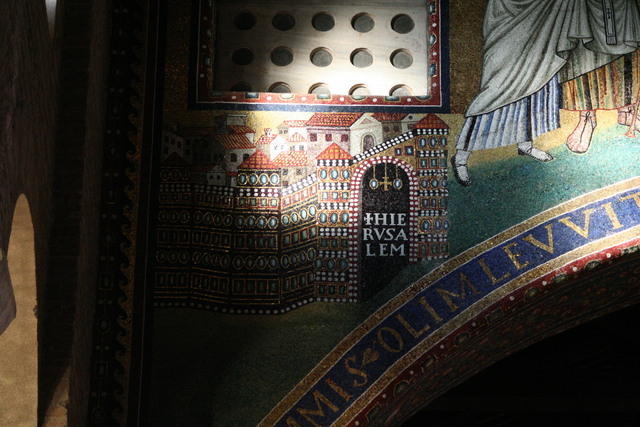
x=291 y=159
x=389 y=117
x=296 y=137
x=240 y=130
x=341 y=120
x=234 y=142
x=334 y=152
x=266 y=139
x=258 y=160
x=431 y=121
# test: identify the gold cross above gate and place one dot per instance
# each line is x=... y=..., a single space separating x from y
x=386 y=184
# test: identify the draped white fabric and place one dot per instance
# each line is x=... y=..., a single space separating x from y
x=520 y=121
x=527 y=42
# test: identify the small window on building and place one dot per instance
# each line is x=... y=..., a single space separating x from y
x=367 y=142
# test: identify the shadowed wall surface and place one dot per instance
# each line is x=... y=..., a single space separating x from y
x=51 y=107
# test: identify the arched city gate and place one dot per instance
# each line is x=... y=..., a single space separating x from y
x=383 y=222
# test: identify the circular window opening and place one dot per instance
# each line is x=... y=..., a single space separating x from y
x=245 y=21
x=401 y=58
x=241 y=87
x=280 y=87
x=242 y=57
x=283 y=22
x=323 y=22
x=402 y=24
x=361 y=58
x=282 y=56
x=320 y=89
x=321 y=57
x=363 y=23
x=400 y=90
x=359 y=91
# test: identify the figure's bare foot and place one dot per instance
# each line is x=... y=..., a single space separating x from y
x=460 y=169
x=580 y=139
x=625 y=117
x=527 y=149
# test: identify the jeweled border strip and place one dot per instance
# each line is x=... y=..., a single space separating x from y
x=374 y=321
x=203 y=97
x=115 y=390
x=390 y=403
x=443 y=340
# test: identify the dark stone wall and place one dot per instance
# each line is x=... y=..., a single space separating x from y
x=27 y=108
x=70 y=292
x=52 y=112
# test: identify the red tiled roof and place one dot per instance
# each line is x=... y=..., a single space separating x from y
x=258 y=160
x=296 y=137
x=240 y=130
x=234 y=142
x=293 y=123
x=389 y=117
x=342 y=120
x=431 y=121
x=291 y=159
x=266 y=139
x=334 y=152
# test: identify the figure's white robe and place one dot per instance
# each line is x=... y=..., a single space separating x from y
x=528 y=42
